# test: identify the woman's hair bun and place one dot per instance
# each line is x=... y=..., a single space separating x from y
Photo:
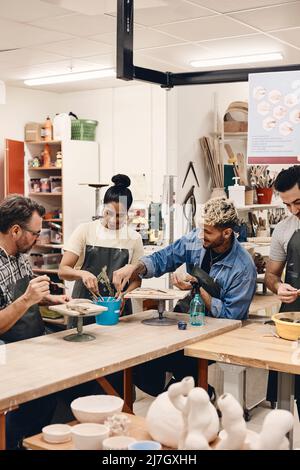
x=121 y=180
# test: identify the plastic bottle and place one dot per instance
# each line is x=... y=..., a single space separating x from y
x=62 y=127
x=237 y=193
x=46 y=157
x=197 y=311
x=48 y=130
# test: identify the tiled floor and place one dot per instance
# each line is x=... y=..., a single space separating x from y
x=257 y=415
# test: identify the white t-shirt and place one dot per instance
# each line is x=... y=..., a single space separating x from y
x=281 y=236
x=95 y=234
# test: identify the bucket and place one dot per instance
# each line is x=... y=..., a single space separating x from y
x=111 y=315
x=264 y=195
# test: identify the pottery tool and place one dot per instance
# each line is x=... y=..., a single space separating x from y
x=52 y=283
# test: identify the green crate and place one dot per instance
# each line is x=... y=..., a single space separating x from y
x=83 y=129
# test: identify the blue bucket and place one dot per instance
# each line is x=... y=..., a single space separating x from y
x=112 y=314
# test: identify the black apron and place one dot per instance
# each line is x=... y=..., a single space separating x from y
x=292 y=276
x=31 y=323
x=96 y=258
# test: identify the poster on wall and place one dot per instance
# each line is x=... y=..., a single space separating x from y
x=274 y=118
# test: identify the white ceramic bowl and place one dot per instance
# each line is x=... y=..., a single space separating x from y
x=96 y=408
x=57 y=433
x=145 y=445
x=89 y=436
x=118 y=442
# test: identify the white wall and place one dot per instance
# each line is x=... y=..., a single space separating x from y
x=131 y=130
x=21 y=106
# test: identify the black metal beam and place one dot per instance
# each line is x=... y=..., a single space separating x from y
x=224 y=76
x=152 y=76
x=125 y=65
x=126 y=70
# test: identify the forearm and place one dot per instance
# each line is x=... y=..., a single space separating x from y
x=11 y=314
x=206 y=298
x=68 y=273
x=139 y=269
x=272 y=282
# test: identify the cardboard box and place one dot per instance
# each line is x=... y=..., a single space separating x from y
x=33 y=132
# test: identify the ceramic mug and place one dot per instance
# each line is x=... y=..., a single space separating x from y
x=145 y=445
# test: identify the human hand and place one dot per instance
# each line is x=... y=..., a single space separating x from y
x=58 y=299
x=182 y=281
x=122 y=276
x=37 y=289
x=90 y=281
x=287 y=293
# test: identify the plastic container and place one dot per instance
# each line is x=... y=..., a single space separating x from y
x=44 y=237
x=197 y=311
x=33 y=132
x=112 y=314
x=83 y=129
x=45 y=185
x=264 y=195
x=51 y=260
x=55 y=184
x=62 y=127
x=237 y=193
x=35 y=185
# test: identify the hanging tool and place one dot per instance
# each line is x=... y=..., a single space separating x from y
x=190 y=200
x=190 y=167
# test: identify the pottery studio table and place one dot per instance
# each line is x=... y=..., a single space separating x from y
x=254 y=345
x=40 y=366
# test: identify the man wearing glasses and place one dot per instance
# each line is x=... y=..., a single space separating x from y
x=20 y=294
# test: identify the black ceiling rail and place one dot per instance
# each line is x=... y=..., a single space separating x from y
x=126 y=70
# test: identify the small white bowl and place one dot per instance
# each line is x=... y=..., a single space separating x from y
x=145 y=445
x=89 y=436
x=96 y=408
x=118 y=442
x=57 y=433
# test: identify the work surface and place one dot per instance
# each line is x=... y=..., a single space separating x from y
x=252 y=345
x=36 y=367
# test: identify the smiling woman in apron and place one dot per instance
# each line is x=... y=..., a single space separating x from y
x=96 y=249
x=285 y=253
x=20 y=294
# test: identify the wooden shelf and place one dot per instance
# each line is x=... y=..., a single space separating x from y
x=42 y=168
x=45 y=271
x=43 y=142
x=258 y=207
x=44 y=194
x=52 y=220
x=49 y=245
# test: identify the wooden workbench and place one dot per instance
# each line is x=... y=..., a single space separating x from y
x=254 y=345
x=264 y=305
x=47 y=364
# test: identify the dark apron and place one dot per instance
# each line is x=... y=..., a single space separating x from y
x=96 y=257
x=31 y=323
x=292 y=277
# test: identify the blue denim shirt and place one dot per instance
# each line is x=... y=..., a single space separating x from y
x=236 y=273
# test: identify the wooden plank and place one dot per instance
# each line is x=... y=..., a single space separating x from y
x=39 y=366
x=253 y=345
x=137 y=429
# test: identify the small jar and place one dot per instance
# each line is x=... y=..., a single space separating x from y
x=45 y=185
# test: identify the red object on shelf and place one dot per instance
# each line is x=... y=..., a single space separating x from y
x=264 y=195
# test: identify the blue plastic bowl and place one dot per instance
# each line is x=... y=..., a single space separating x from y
x=112 y=314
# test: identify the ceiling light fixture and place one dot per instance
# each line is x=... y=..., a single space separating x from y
x=71 y=77
x=246 y=59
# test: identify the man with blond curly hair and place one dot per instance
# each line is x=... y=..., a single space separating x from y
x=216 y=250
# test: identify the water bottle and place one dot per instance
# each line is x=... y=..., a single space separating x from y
x=197 y=311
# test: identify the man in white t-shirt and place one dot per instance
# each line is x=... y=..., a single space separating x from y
x=285 y=254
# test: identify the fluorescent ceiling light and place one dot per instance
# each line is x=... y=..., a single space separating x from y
x=71 y=77
x=246 y=59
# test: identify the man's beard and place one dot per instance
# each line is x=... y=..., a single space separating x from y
x=25 y=249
